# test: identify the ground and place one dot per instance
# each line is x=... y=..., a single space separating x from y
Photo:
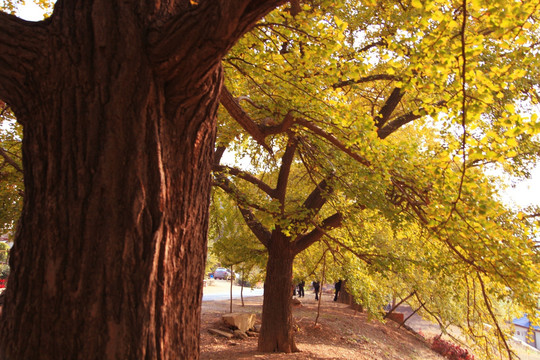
x=341 y=333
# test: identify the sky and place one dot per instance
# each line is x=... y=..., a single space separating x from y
x=525 y=193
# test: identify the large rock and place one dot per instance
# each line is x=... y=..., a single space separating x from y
x=242 y=321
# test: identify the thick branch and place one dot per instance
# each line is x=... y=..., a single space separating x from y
x=255 y=226
x=388 y=108
x=237 y=113
x=218 y=154
x=364 y=80
x=305 y=241
x=398 y=122
x=395 y=124
x=204 y=33
x=20 y=43
x=245 y=176
x=285 y=170
x=316 y=199
x=397 y=305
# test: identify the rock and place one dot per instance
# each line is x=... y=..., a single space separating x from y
x=395 y=316
x=296 y=302
x=241 y=321
x=256 y=328
x=221 y=333
x=239 y=334
x=252 y=333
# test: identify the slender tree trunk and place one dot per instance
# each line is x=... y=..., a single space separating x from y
x=231 y=286
x=277 y=322
x=242 y=289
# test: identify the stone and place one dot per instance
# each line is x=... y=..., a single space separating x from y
x=296 y=302
x=252 y=333
x=395 y=316
x=221 y=333
x=241 y=321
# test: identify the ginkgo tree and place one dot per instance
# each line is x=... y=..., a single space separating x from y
x=118 y=100
x=364 y=72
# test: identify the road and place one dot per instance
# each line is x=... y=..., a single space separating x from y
x=221 y=290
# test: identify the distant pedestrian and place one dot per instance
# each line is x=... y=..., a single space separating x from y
x=301 y=288
x=316 y=287
x=337 y=286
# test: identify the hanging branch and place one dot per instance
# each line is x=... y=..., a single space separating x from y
x=494 y=318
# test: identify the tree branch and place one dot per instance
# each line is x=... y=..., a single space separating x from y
x=285 y=170
x=305 y=241
x=10 y=160
x=365 y=79
x=316 y=200
x=237 y=113
x=245 y=176
x=218 y=25
x=509 y=351
x=218 y=154
x=395 y=124
x=388 y=107
x=397 y=305
x=333 y=140
x=258 y=229
x=20 y=44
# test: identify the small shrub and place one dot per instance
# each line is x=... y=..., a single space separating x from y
x=4 y=271
x=449 y=350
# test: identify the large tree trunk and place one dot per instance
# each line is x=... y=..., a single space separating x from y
x=277 y=321
x=109 y=258
x=118 y=143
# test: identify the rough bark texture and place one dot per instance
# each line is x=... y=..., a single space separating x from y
x=119 y=133
x=277 y=333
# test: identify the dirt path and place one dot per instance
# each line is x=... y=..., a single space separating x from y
x=341 y=333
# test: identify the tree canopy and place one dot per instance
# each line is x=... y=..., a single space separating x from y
x=406 y=107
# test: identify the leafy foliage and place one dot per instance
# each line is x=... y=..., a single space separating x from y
x=11 y=177
x=405 y=106
x=231 y=242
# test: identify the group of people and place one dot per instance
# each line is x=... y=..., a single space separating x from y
x=316 y=288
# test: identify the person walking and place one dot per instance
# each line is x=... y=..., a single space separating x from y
x=301 y=288
x=337 y=287
x=316 y=287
